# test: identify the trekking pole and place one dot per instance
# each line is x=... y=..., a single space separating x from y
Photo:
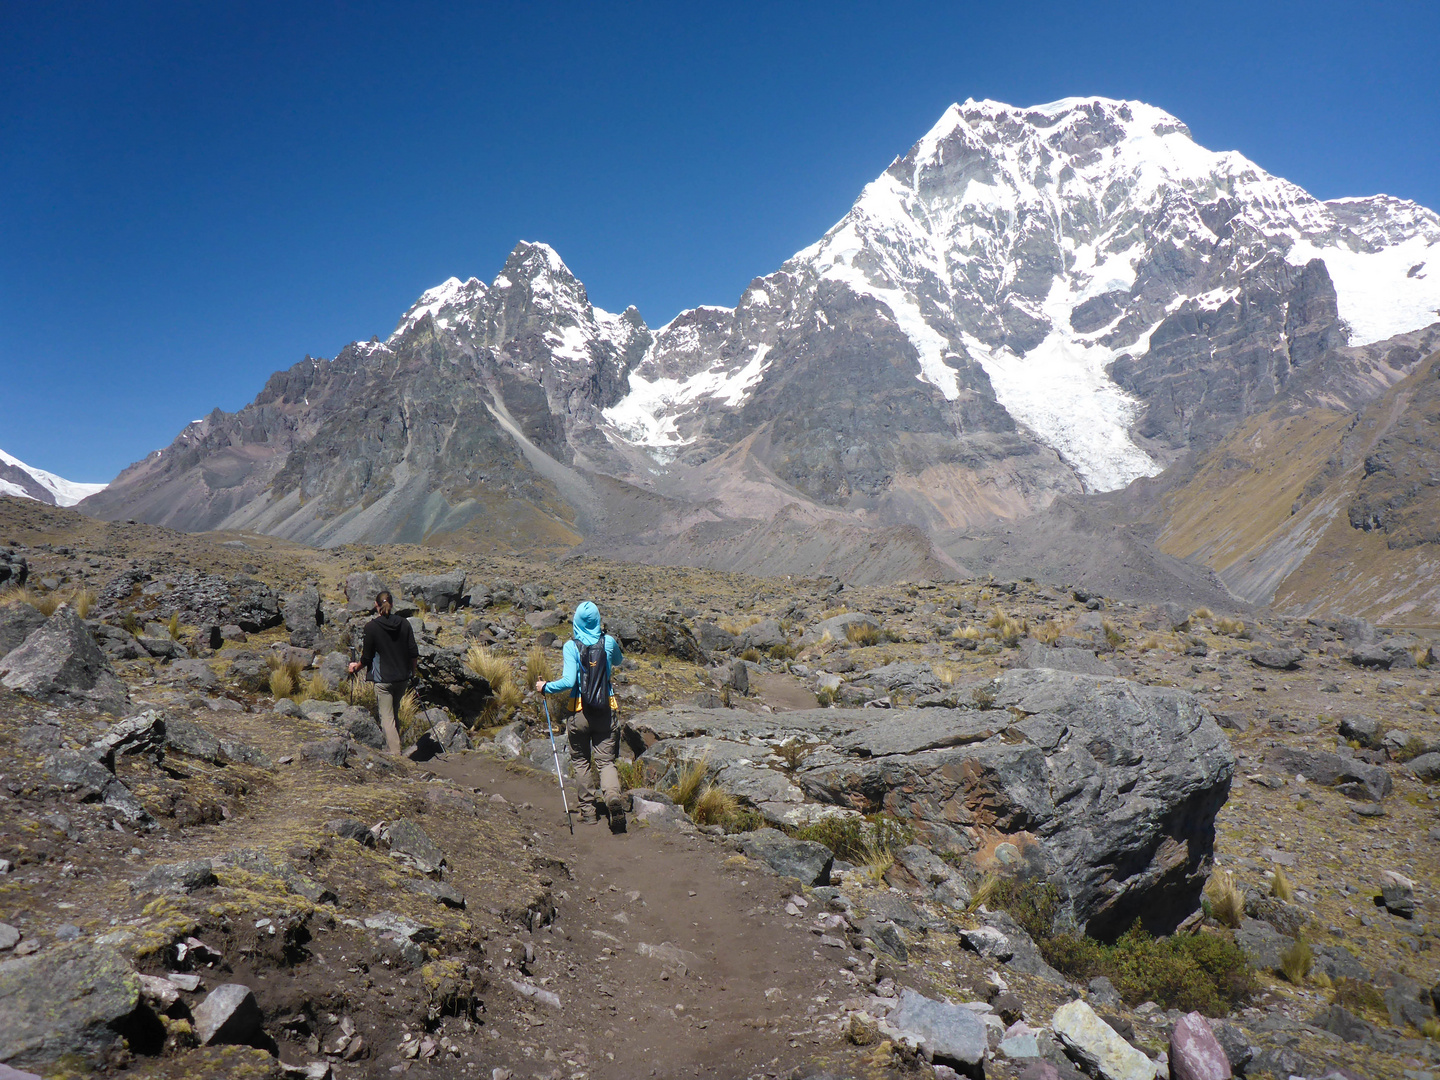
x=555 y=754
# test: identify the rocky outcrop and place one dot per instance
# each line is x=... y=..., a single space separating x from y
x=60 y=662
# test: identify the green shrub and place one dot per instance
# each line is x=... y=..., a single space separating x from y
x=1202 y=972
x=1032 y=903
x=825 y=698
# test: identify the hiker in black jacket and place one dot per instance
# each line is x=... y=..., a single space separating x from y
x=390 y=659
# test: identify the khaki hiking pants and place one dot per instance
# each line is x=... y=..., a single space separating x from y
x=387 y=696
x=592 y=734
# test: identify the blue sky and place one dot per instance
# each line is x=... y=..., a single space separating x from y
x=195 y=195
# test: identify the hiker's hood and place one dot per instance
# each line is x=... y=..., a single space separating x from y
x=391 y=623
x=586 y=627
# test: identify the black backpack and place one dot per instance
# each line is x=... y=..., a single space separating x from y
x=594 y=667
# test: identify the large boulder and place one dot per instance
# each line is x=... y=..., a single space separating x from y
x=72 y=1001
x=446 y=681
x=438 y=591
x=1036 y=654
x=948 y=1034
x=17 y=622
x=1353 y=778
x=301 y=610
x=360 y=591
x=1098 y=1047
x=59 y=662
x=1114 y=786
x=803 y=859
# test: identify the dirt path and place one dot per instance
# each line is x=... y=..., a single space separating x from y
x=671 y=956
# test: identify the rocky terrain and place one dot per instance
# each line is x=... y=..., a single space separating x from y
x=1027 y=307
x=933 y=828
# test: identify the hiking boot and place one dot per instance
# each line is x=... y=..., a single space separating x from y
x=587 y=814
x=617 y=813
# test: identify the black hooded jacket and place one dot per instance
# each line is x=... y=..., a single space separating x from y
x=390 y=646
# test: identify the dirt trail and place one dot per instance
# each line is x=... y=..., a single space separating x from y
x=671 y=956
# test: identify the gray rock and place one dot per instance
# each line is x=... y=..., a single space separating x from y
x=71 y=1000
x=1036 y=654
x=229 y=1016
x=1118 y=782
x=1279 y=658
x=243 y=753
x=713 y=639
x=803 y=859
x=740 y=677
x=1353 y=778
x=543 y=620
x=1364 y=730
x=1235 y=1043
x=59 y=662
x=362 y=727
x=1262 y=943
x=327 y=712
x=143 y=733
x=186 y=737
x=17 y=622
x=884 y=937
x=301 y=610
x=909 y=732
x=887 y=907
x=80 y=772
x=1397 y=894
x=1426 y=767
x=1195 y=1053
x=350 y=829
x=439 y=591
x=1103 y=993
x=763 y=635
x=510 y=740
x=360 y=591
x=256 y=861
x=950 y=1034
x=194 y=673
x=413 y=846
x=1340 y=1021
x=178 y=877
x=162 y=646
x=838 y=627
x=1097 y=1047
x=439 y=891
x=334 y=752
x=9 y=937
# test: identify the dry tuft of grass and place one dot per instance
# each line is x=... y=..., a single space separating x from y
x=82 y=601
x=862 y=634
x=1006 y=629
x=946 y=674
x=537 y=666
x=483 y=663
x=1230 y=627
x=1047 y=633
x=738 y=625
x=45 y=603
x=360 y=691
x=968 y=633
x=1200 y=614
x=1296 y=961
x=1227 y=905
x=713 y=806
x=409 y=719
x=422 y=606
x=687 y=787
x=1112 y=634
x=632 y=774
x=984 y=892
x=1150 y=644
x=318 y=689
x=1280 y=886
x=173 y=626
x=282 y=683
x=793 y=754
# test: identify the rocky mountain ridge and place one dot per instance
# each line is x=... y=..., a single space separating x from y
x=27 y=482
x=1029 y=304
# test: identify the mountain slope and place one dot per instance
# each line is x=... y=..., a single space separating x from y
x=1029 y=305
x=27 y=482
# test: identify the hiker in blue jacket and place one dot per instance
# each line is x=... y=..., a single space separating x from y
x=590 y=654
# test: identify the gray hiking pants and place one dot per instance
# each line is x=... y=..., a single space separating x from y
x=593 y=735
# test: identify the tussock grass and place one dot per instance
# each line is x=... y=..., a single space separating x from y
x=968 y=633
x=1006 y=629
x=834 y=612
x=1229 y=627
x=862 y=634
x=422 y=606
x=713 y=806
x=984 y=893
x=783 y=652
x=1150 y=644
x=318 y=689
x=172 y=625
x=494 y=669
x=688 y=785
x=44 y=602
x=360 y=691
x=409 y=718
x=1112 y=634
x=737 y=625
x=946 y=674
x=82 y=600
x=751 y=654
x=1047 y=632
x=131 y=624
x=824 y=698
x=1201 y=614
x=506 y=693
x=632 y=774
x=873 y=863
x=1227 y=904
x=1280 y=886
x=537 y=666
x=285 y=679
x=1296 y=961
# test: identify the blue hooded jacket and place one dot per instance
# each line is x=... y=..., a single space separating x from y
x=585 y=629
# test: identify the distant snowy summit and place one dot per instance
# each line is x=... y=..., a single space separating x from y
x=1030 y=303
x=27 y=482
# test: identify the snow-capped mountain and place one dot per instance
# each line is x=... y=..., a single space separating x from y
x=27 y=482
x=1047 y=244
x=1029 y=303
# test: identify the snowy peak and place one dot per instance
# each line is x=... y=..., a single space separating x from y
x=27 y=482
x=451 y=304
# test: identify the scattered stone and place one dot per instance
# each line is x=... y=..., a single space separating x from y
x=439 y=591
x=412 y=845
x=1195 y=1053
x=440 y=891
x=803 y=859
x=350 y=829
x=178 y=877
x=334 y=752
x=1096 y=1046
x=1364 y=730
x=230 y=1016
x=360 y=591
x=1397 y=894
x=362 y=727
x=1103 y=993
x=1426 y=767
x=949 y=1034
x=1353 y=778
x=1278 y=658
x=9 y=937
x=143 y=733
x=17 y=622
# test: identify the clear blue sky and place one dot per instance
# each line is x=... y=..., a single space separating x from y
x=195 y=195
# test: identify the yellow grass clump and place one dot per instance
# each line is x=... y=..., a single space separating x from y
x=1280 y=886
x=360 y=691
x=1047 y=633
x=862 y=634
x=738 y=624
x=687 y=787
x=408 y=718
x=1227 y=905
